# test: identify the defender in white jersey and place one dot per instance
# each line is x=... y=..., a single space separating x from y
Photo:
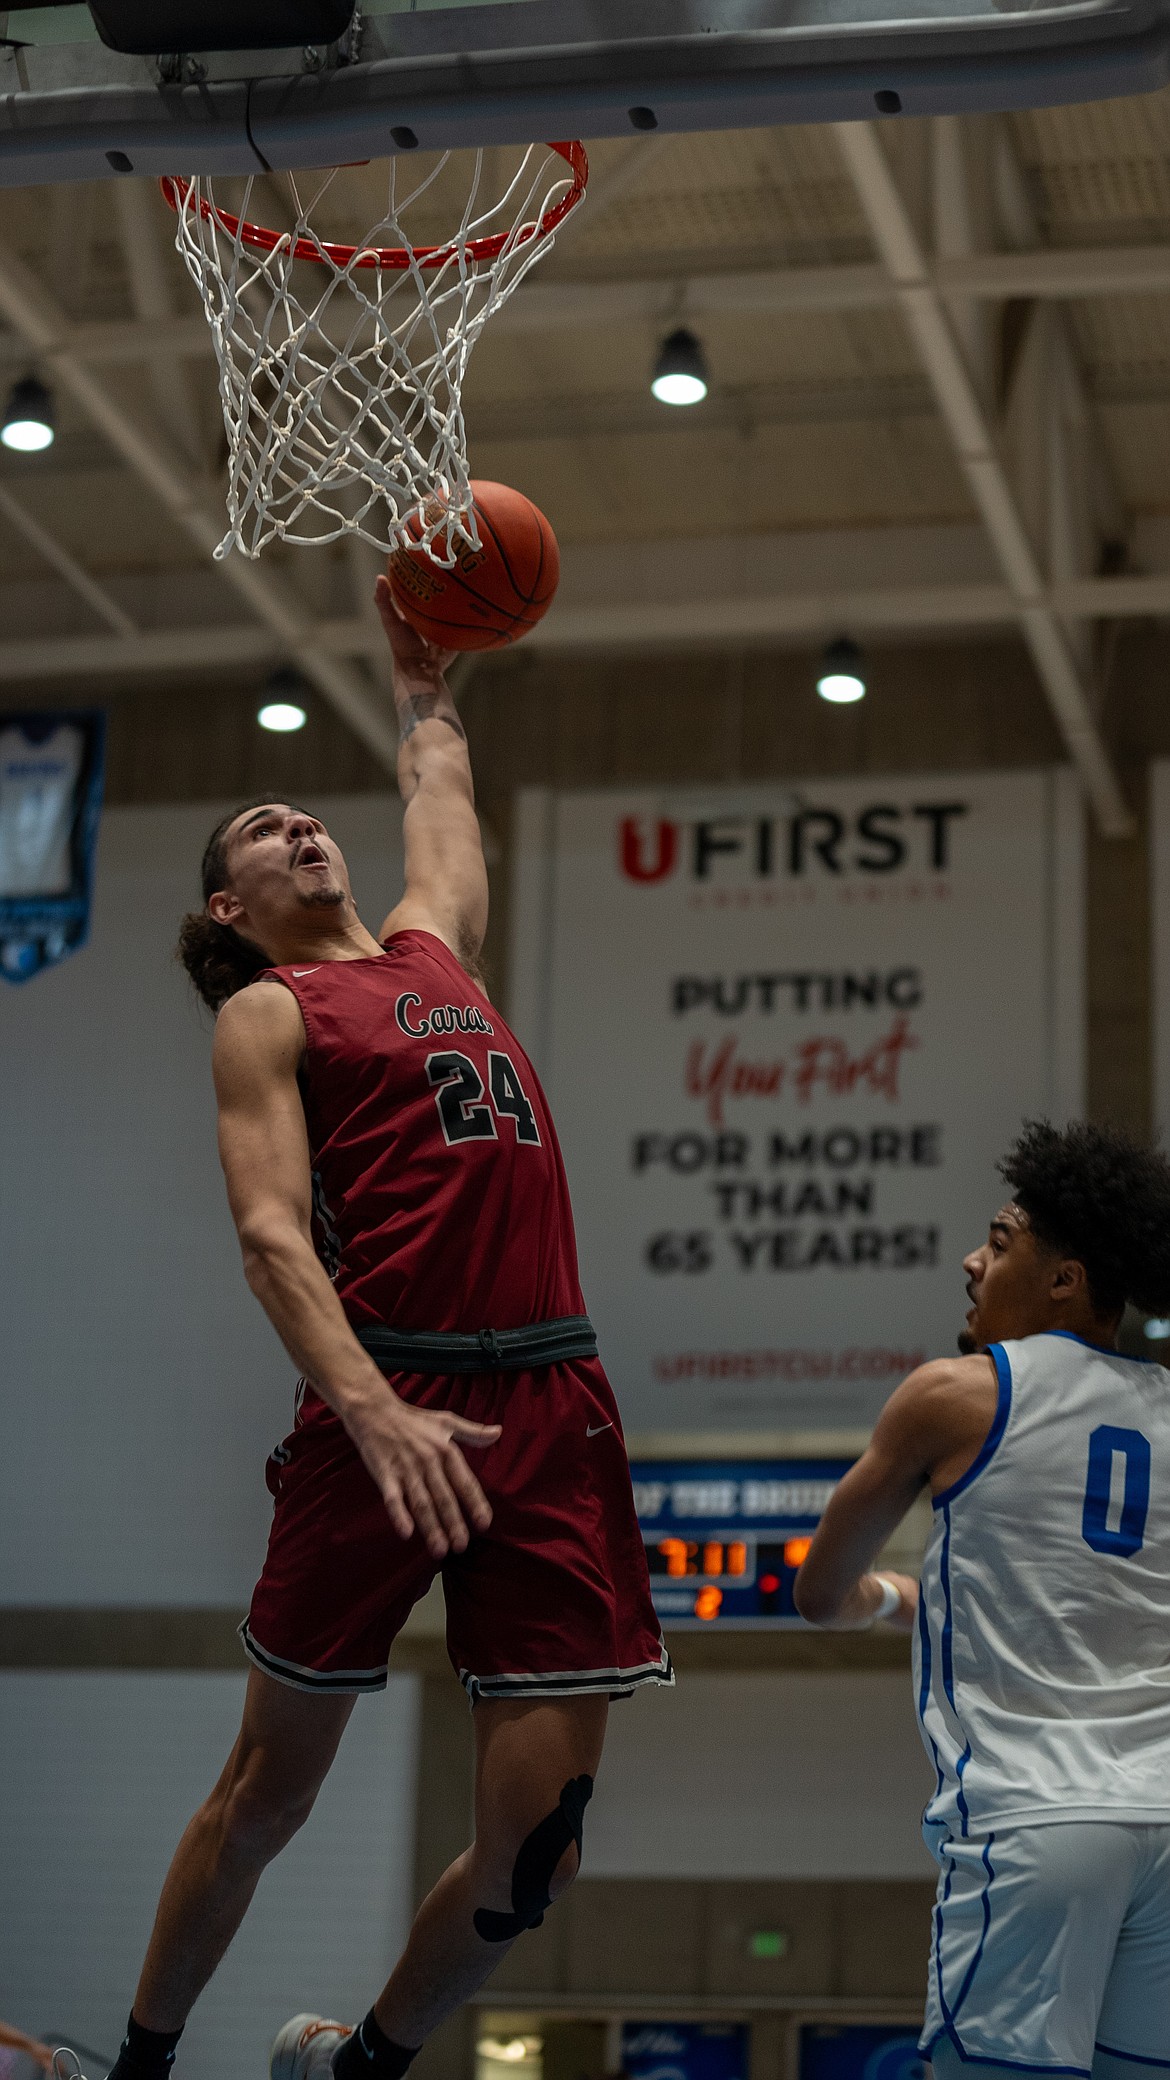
x=1042 y=1624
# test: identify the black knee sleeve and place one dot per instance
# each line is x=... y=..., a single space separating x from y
x=536 y=1860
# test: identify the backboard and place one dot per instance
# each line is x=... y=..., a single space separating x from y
x=437 y=73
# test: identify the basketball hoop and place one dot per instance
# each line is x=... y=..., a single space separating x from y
x=342 y=402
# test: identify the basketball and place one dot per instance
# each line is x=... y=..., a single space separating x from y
x=492 y=595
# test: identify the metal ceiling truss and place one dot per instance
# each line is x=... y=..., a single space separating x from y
x=1049 y=274
x=682 y=621
x=1035 y=467
x=40 y=322
x=955 y=355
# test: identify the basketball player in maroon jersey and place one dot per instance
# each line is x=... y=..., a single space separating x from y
x=402 y=1209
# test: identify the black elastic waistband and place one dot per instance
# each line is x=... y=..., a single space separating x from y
x=480 y=1350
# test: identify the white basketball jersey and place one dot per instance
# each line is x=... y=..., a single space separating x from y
x=1042 y=1657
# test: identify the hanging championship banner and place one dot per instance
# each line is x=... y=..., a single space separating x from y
x=787 y=1032
x=51 y=777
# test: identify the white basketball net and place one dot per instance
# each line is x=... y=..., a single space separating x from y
x=341 y=368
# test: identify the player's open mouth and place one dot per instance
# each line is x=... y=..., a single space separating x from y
x=310 y=856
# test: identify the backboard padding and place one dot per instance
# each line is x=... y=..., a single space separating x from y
x=481 y=72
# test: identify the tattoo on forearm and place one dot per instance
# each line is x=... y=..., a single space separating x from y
x=428 y=707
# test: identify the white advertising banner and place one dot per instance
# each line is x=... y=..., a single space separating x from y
x=786 y=1032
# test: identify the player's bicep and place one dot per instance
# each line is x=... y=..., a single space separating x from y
x=263 y=1141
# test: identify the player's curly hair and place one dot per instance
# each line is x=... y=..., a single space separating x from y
x=218 y=959
x=1096 y=1194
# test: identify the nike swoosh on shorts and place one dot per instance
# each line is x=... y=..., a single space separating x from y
x=600 y=1427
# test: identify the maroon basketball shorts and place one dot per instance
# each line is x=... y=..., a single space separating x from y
x=553 y=1600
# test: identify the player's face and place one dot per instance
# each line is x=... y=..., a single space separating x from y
x=281 y=863
x=1009 y=1281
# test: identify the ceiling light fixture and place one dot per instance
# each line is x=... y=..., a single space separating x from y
x=841 y=674
x=282 y=716
x=28 y=426
x=680 y=372
x=282 y=710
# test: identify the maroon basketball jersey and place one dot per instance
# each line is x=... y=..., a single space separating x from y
x=439 y=1193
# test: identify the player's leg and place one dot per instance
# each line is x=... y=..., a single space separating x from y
x=1106 y=2067
x=946 y=2064
x=530 y=1758
x=287 y=1742
x=555 y=1592
x=1133 y=2029
x=535 y=1761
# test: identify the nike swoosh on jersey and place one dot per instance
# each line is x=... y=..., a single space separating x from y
x=600 y=1427
x=306 y=971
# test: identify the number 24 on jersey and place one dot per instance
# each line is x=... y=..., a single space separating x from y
x=462 y=1099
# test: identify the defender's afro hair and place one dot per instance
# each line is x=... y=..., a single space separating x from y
x=1095 y=1194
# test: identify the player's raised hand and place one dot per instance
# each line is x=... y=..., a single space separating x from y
x=415 y=1458
x=413 y=655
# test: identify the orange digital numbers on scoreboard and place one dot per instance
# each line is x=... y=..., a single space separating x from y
x=715 y=1557
x=708 y=1602
x=796 y=1551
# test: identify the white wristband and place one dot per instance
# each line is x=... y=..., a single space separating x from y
x=891 y=1600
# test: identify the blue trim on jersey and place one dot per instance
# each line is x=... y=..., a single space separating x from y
x=927 y=1658
x=948 y=1631
x=946 y=2031
x=994 y=1438
x=1132 y=2058
x=1070 y=1336
x=927 y=1652
x=948 y=1670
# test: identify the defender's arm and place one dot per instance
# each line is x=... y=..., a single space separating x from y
x=16 y=2040
x=412 y=1454
x=938 y=1415
x=446 y=878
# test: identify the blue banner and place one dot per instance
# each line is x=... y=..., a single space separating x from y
x=859 y=2051
x=684 y=2050
x=52 y=772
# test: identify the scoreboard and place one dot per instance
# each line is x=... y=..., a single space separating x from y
x=725 y=1537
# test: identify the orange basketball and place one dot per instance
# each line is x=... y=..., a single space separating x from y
x=492 y=595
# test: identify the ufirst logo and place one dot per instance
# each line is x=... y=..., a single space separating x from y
x=881 y=838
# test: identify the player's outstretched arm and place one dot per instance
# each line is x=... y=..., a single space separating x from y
x=931 y=1429
x=446 y=878
x=412 y=1454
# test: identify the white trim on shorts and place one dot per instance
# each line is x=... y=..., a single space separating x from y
x=579 y=1682
x=338 y=1682
x=355 y=1682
